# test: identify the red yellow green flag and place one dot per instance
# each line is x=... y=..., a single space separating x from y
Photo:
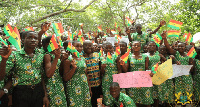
x=109 y=57
x=101 y=52
x=60 y=41
x=174 y=24
x=58 y=29
x=8 y=30
x=116 y=26
x=113 y=32
x=157 y=39
x=46 y=34
x=80 y=33
x=125 y=56
x=173 y=33
x=14 y=39
x=192 y=53
x=154 y=68
x=89 y=36
x=69 y=47
x=28 y=29
x=81 y=39
x=81 y=24
x=52 y=44
x=99 y=28
x=188 y=37
x=3 y=42
x=117 y=52
x=72 y=49
x=129 y=21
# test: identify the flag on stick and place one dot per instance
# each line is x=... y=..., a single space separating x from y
x=174 y=24
x=52 y=44
x=109 y=57
x=192 y=53
x=174 y=33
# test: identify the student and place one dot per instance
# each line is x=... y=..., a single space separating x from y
x=28 y=88
x=107 y=69
x=95 y=49
x=93 y=71
x=53 y=79
x=183 y=84
x=142 y=36
x=139 y=62
x=196 y=77
x=120 y=98
x=77 y=87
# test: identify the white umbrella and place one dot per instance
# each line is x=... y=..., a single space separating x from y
x=196 y=37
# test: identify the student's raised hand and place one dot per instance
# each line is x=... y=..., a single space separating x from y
x=178 y=62
x=108 y=30
x=5 y=52
x=73 y=63
x=162 y=23
x=172 y=56
x=162 y=56
x=119 y=30
x=45 y=26
x=164 y=34
x=94 y=34
x=46 y=102
x=151 y=74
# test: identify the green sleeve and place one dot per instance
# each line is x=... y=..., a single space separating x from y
x=10 y=64
x=129 y=102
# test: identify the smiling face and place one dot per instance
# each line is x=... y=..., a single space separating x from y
x=95 y=47
x=88 y=47
x=152 y=47
x=136 y=46
x=78 y=46
x=31 y=40
x=138 y=29
x=108 y=48
x=181 y=47
x=123 y=48
x=115 y=91
x=162 y=50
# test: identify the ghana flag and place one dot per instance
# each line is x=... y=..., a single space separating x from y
x=60 y=41
x=52 y=44
x=188 y=37
x=173 y=33
x=99 y=28
x=28 y=29
x=14 y=39
x=116 y=26
x=101 y=52
x=8 y=30
x=80 y=33
x=129 y=21
x=192 y=53
x=174 y=24
x=46 y=34
x=125 y=56
x=81 y=39
x=117 y=52
x=154 y=68
x=72 y=49
x=58 y=29
x=157 y=39
x=109 y=57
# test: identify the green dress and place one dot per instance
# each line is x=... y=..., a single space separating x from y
x=77 y=89
x=107 y=78
x=55 y=88
x=166 y=90
x=152 y=61
x=143 y=38
x=183 y=84
x=196 y=79
x=141 y=95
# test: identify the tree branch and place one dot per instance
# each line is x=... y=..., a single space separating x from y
x=62 y=11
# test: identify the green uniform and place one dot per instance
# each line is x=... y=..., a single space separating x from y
x=55 y=88
x=152 y=61
x=2 y=81
x=107 y=78
x=141 y=95
x=143 y=38
x=183 y=84
x=26 y=70
x=124 y=99
x=196 y=79
x=77 y=89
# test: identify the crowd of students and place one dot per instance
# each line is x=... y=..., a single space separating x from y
x=33 y=77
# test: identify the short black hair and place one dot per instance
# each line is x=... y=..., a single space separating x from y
x=122 y=42
x=114 y=84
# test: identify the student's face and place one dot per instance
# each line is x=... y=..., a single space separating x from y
x=123 y=48
x=145 y=49
x=95 y=47
x=152 y=47
x=108 y=48
x=136 y=46
x=103 y=39
x=138 y=29
x=132 y=30
x=98 y=40
x=78 y=47
x=115 y=92
x=88 y=48
x=162 y=50
x=181 y=47
x=31 y=40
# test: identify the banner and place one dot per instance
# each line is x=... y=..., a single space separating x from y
x=164 y=72
x=179 y=70
x=133 y=79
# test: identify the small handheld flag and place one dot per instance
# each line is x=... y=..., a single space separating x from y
x=109 y=57
x=129 y=21
x=8 y=30
x=125 y=56
x=52 y=44
x=117 y=51
x=4 y=42
x=58 y=29
x=192 y=53
x=173 y=33
x=80 y=33
x=116 y=26
x=174 y=24
x=14 y=39
x=99 y=28
x=28 y=29
x=188 y=37
x=157 y=39
x=154 y=68
x=72 y=49
x=101 y=52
